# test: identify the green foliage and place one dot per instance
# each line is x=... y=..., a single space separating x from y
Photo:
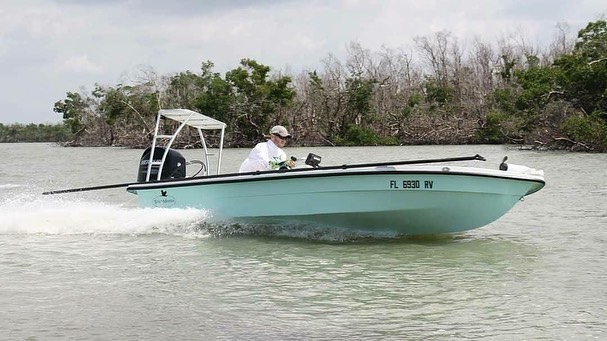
x=507 y=70
x=533 y=61
x=315 y=81
x=113 y=103
x=505 y=100
x=357 y=109
x=578 y=79
x=73 y=109
x=494 y=130
x=256 y=98
x=142 y=102
x=248 y=99
x=121 y=106
x=183 y=89
x=591 y=129
x=528 y=101
x=439 y=96
x=537 y=83
x=592 y=41
x=415 y=100
x=359 y=96
x=34 y=133
x=584 y=85
x=585 y=69
x=360 y=136
x=215 y=96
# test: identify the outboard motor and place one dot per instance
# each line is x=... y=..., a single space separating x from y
x=174 y=165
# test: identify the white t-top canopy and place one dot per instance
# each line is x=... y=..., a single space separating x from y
x=192 y=118
x=185 y=117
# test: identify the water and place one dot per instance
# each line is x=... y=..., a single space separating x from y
x=94 y=266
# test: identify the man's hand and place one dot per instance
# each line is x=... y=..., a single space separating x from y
x=292 y=162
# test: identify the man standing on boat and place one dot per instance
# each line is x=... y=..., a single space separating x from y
x=269 y=155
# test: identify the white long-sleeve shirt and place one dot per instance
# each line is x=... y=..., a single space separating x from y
x=265 y=156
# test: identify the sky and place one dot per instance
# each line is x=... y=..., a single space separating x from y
x=51 y=47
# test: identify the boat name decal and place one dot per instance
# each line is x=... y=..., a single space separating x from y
x=411 y=184
x=164 y=201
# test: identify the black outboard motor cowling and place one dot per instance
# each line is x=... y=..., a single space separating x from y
x=174 y=165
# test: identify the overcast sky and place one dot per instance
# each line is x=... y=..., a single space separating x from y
x=50 y=47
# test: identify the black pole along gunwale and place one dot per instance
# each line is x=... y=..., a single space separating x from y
x=476 y=157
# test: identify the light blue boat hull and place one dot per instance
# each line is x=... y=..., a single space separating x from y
x=401 y=200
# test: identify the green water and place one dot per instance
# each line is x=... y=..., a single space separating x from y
x=92 y=265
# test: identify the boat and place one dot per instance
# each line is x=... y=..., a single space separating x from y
x=409 y=197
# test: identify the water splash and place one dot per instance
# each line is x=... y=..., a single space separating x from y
x=34 y=214
x=9 y=186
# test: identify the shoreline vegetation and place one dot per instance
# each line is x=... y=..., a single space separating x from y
x=439 y=92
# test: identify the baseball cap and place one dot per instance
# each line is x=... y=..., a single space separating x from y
x=280 y=130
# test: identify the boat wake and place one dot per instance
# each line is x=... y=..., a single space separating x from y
x=25 y=211
x=36 y=214
x=9 y=186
